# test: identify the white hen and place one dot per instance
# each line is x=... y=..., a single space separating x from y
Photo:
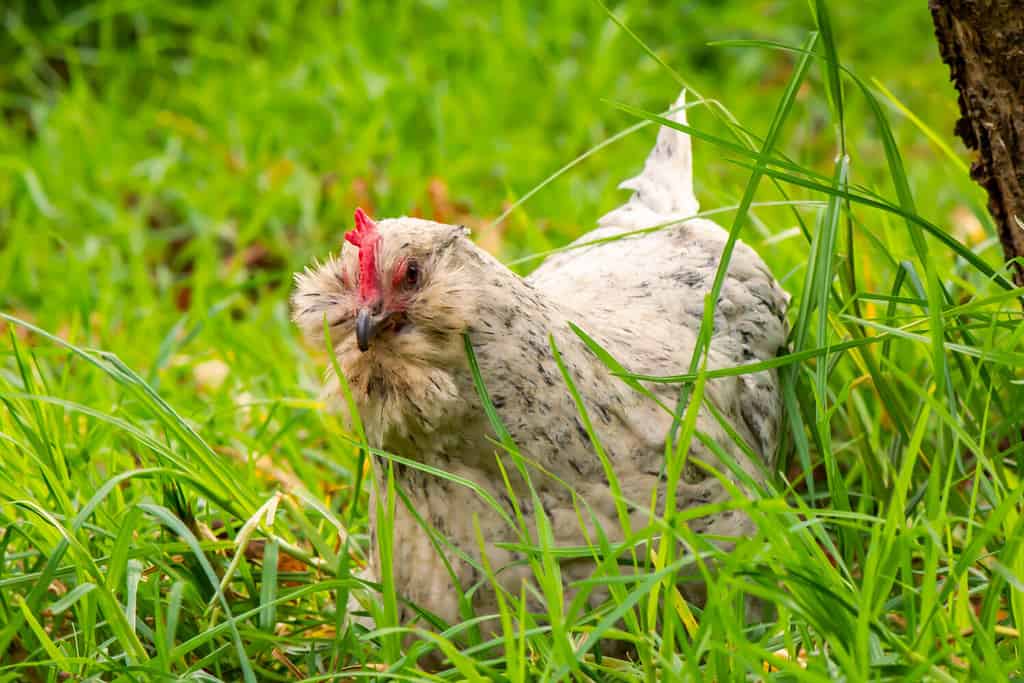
x=401 y=295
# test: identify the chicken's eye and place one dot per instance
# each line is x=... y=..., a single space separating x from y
x=412 y=274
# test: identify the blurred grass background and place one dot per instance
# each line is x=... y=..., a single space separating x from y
x=166 y=167
x=185 y=153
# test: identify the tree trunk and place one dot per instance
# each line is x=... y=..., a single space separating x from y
x=982 y=41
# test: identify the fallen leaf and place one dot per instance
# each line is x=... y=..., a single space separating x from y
x=210 y=374
x=966 y=226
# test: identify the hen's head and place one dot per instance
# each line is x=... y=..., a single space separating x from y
x=397 y=299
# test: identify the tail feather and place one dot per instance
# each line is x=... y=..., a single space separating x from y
x=662 y=194
x=664 y=189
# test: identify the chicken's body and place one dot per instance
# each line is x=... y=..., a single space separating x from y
x=640 y=297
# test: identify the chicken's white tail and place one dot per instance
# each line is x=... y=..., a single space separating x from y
x=664 y=190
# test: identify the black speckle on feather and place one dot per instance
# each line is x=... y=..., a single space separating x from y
x=581 y=431
x=689 y=278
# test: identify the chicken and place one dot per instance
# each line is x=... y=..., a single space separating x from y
x=402 y=294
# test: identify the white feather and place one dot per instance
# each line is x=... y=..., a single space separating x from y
x=664 y=189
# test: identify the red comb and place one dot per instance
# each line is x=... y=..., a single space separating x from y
x=365 y=237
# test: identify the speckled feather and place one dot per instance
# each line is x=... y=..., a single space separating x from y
x=641 y=297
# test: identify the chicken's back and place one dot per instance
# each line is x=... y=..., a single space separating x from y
x=642 y=295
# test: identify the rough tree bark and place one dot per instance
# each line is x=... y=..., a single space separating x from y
x=982 y=41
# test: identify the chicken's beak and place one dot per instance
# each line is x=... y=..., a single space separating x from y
x=367 y=325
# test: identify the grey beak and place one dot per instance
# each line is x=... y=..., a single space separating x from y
x=366 y=329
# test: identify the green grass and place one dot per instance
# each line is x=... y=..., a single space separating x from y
x=175 y=503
